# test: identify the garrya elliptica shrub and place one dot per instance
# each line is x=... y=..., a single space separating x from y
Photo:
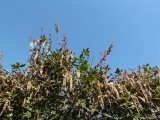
x=57 y=85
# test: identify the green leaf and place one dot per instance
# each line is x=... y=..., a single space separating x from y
x=27 y=114
x=22 y=65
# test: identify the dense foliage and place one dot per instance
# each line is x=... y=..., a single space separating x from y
x=58 y=85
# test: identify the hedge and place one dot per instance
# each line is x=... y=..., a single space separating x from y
x=58 y=85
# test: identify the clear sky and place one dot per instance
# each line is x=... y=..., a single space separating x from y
x=132 y=25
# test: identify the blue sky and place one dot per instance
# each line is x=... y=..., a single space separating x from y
x=132 y=25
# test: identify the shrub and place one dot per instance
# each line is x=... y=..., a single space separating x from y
x=58 y=85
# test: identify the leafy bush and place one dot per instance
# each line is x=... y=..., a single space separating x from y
x=58 y=85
